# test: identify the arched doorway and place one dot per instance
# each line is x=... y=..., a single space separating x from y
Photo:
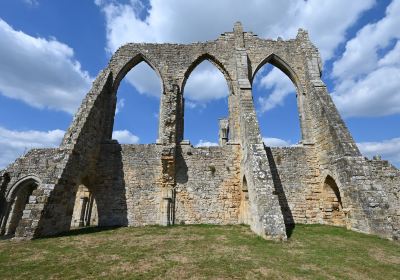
x=85 y=209
x=18 y=199
x=244 y=215
x=331 y=203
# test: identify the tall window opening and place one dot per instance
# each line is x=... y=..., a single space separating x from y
x=206 y=106
x=275 y=101
x=138 y=106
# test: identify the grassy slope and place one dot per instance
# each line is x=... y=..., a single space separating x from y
x=202 y=252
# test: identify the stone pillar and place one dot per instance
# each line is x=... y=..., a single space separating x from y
x=167 y=186
x=170 y=129
x=223 y=131
x=267 y=219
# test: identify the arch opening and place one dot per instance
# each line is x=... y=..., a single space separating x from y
x=205 y=116
x=138 y=91
x=279 y=63
x=278 y=106
x=244 y=215
x=85 y=212
x=19 y=199
x=331 y=203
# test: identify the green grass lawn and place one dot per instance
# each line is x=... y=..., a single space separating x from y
x=201 y=252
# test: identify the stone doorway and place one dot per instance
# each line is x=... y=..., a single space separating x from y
x=85 y=209
x=331 y=204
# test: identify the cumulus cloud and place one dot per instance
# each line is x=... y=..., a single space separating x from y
x=40 y=72
x=145 y=80
x=120 y=105
x=125 y=137
x=368 y=84
x=275 y=142
x=15 y=143
x=205 y=143
x=278 y=85
x=205 y=83
x=387 y=149
x=184 y=21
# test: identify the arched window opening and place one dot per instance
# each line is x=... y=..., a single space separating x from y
x=85 y=209
x=244 y=215
x=276 y=104
x=138 y=106
x=206 y=106
x=332 y=208
x=18 y=202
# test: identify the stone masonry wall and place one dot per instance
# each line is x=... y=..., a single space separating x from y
x=293 y=176
x=208 y=185
x=207 y=190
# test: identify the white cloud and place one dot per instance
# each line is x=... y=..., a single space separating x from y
x=125 y=137
x=40 y=72
x=205 y=143
x=205 y=83
x=278 y=85
x=182 y=21
x=32 y=2
x=387 y=149
x=377 y=94
x=145 y=80
x=275 y=142
x=368 y=85
x=120 y=105
x=15 y=143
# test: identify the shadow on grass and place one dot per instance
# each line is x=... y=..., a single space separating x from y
x=81 y=231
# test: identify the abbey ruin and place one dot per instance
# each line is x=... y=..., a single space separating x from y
x=92 y=180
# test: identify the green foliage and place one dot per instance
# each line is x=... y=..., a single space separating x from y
x=201 y=251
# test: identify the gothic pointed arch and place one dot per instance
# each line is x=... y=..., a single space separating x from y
x=331 y=203
x=135 y=60
x=282 y=65
x=215 y=104
x=213 y=60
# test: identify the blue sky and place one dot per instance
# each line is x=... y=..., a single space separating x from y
x=50 y=51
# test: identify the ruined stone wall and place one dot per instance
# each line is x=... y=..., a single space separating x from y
x=324 y=177
x=44 y=166
x=142 y=170
x=208 y=185
x=294 y=179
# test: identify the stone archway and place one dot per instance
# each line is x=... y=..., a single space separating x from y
x=19 y=197
x=85 y=209
x=331 y=203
